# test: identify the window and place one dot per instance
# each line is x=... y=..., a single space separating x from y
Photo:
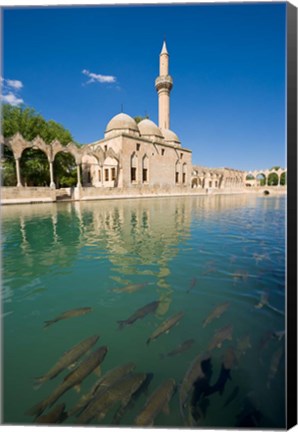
x=106 y=175
x=88 y=177
x=113 y=173
x=99 y=175
x=181 y=155
x=106 y=147
x=162 y=152
x=177 y=177
x=138 y=147
x=145 y=167
x=145 y=178
x=210 y=183
x=133 y=168
x=183 y=177
x=133 y=174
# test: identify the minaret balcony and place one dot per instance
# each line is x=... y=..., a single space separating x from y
x=164 y=82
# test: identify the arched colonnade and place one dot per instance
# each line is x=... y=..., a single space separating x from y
x=17 y=144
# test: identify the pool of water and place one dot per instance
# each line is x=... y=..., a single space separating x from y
x=191 y=254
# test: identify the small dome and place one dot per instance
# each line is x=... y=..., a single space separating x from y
x=122 y=121
x=148 y=127
x=170 y=136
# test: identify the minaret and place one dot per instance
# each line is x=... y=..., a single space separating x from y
x=163 y=85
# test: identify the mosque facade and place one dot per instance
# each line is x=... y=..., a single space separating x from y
x=140 y=154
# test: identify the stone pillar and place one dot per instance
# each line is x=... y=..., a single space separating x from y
x=79 y=176
x=52 y=184
x=278 y=181
x=19 y=184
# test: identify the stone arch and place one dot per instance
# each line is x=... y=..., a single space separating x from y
x=34 y=166
x=194 y=183
x=110 y=171
x=273 y=179
x=261 y=179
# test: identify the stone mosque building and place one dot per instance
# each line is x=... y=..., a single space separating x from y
x=132 y=159
x=140 y=154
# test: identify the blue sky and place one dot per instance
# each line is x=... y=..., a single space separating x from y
x=227 y=63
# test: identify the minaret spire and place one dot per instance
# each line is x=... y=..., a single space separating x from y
x=163 y=85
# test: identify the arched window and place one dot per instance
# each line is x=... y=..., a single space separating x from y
x=177 y=171
x=145 y=169
x=184 y=170
x=133 y=168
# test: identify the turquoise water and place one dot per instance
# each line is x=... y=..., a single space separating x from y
x=191 y=254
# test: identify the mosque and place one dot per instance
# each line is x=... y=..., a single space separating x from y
x=132 y=159
x=140 y=154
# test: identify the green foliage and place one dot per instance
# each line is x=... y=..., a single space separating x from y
x=29 y=123
x=140 y=118
x=34 y=163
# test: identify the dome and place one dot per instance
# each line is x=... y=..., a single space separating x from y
x=122 y=121
x=170 y=136
x=148 y=127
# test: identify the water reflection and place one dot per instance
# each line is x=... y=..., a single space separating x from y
x=191 y=254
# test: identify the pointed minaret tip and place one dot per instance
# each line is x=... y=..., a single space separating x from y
x=164 y=48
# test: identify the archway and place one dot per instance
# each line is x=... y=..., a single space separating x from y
x=261 y=179
x=34 y=167
x=110 y=172
x=65 y=170
x=283 y=179
x=9 y=176
x=273 y=179
x=194 y=183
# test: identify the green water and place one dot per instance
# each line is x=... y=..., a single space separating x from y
x=189 y=253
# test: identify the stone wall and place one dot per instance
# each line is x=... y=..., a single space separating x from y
x=27 y=195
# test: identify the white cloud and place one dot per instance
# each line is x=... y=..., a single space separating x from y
x=98 y=77
x=11 y=99
x=10 y=89
x=15 y=84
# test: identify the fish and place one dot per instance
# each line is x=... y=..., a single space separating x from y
x=157 y=402
x=67 y=359
x=184 y=346
x=107 y=380
x=263 y=300
x=274 y=364
x=120 y=391
x=216 y=313
x=73 y=379
x=123 y=409
x=220 y=336
x=166 y=326
x=132 y=288
x=193 y=283
x=193 y=373
x=231 y=397
x=140 y=313
x=240 y=275
x=57 y=415
x=68 y=314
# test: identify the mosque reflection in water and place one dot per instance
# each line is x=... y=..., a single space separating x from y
x=213 y=265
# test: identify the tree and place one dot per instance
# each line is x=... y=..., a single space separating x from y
x=34 y=164
x=140 y=118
